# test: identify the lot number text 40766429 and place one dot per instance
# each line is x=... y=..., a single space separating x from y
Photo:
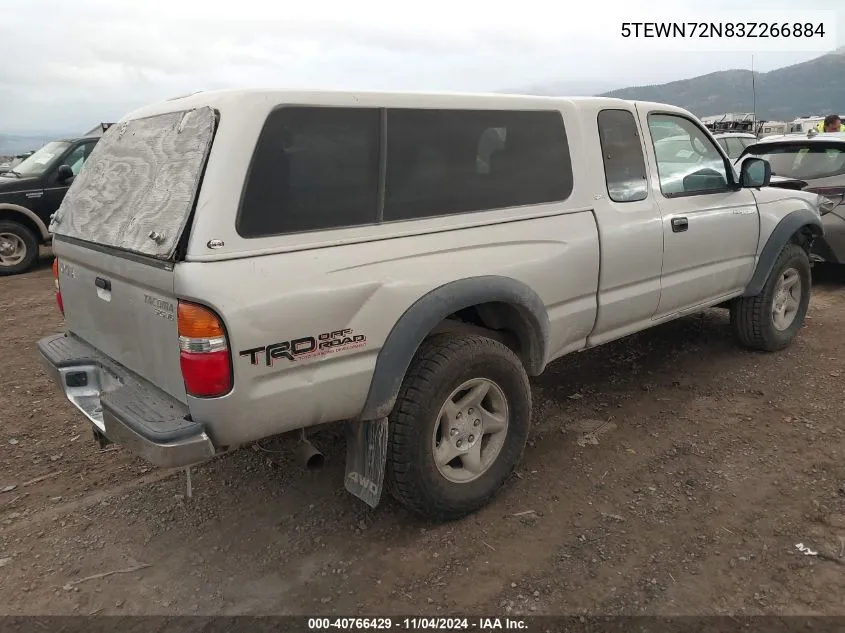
x=482 y=625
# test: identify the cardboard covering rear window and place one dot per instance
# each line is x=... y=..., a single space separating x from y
x=139 y=185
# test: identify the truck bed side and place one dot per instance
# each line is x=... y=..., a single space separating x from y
x=362 y=290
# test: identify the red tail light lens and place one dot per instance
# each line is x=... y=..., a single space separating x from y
x=204 y=352
x=59 y=301
x=206 y=374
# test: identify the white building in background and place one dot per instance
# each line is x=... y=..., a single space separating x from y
x=804 y=124
x=730 y=122
x=772 y=128
x=745 y=122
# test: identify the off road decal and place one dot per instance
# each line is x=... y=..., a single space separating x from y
x=306 y=347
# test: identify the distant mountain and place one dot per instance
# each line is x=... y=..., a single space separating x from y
x=814 y=87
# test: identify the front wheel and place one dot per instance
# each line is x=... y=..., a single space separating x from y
x=459 y=426
x=769 y=321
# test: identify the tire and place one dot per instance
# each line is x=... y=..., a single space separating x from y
x=18 y=248
x=753 y=321
x=443 y=364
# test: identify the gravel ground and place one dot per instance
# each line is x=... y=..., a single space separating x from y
x=668 y=473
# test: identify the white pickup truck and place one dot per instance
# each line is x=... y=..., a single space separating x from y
x=238 y=264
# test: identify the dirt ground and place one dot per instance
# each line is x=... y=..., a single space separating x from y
x=710 y=465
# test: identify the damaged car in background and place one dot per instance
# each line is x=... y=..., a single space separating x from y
x=812 y=163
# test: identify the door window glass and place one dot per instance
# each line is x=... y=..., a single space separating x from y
x=687 y=160
x=76 y=159
x=622 y=153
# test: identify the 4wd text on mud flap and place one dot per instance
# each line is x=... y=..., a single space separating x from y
x=306 y=347
x=364 y=482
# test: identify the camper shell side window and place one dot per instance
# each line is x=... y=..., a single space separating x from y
x=317 y=168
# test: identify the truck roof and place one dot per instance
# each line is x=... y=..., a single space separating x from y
x=226 y=98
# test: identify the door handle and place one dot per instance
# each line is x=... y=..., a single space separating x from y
x=104 y=284
x=679 y=225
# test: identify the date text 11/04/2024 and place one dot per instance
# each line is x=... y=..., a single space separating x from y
x=482 y=625
x=723 y=29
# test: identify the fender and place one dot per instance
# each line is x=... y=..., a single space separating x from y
x=782 y=233
x=15 y=208
x=428 y=311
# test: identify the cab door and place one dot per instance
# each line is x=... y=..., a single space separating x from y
x=710 y=227
x=630 y=228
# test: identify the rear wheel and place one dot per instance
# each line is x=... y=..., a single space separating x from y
x=769 y=321
x=18 y=248
x=459 y=425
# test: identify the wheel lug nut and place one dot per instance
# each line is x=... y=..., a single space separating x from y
x=471 y=438
x=476 y=423
x=458 y=415
x=459 y=443
x=470 y=411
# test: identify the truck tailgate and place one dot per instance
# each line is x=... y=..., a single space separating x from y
x=125 y=309
x=117 y=234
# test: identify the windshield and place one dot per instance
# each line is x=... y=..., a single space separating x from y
x=805 y=161
x=733 y=145
x=660 y=130
x=676 y=150
x=38 y=163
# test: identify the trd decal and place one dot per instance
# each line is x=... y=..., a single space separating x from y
x=306 y=348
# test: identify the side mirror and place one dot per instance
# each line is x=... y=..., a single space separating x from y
x=65 y=173
x=755 y=172
x=705 y=179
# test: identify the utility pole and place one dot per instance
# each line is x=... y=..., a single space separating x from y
x=753 y=99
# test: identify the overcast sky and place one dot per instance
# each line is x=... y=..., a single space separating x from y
x=69 y=65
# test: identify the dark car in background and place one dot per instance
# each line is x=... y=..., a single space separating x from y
x=30 y=192
x=818 y=163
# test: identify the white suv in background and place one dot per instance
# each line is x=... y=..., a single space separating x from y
x=734 y=142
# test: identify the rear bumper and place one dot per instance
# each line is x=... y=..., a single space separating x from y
x=125 y=408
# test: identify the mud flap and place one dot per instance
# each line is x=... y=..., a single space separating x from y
x=366 y=458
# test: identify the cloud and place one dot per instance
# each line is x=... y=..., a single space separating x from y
x=74 y=64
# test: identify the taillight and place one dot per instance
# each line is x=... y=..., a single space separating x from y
x=59 y=301
x=203 y=351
